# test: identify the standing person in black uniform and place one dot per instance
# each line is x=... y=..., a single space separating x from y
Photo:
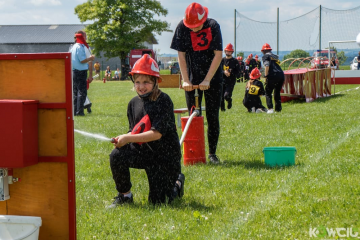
x=252 y=63
x=258 y=62
x=254 y=88
x=198 y=41
x=274 y=78
x=242 y=69
x=246 y=71
x=231 y=71
x=152 y=142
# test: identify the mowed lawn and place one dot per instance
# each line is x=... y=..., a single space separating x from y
x=241 y=198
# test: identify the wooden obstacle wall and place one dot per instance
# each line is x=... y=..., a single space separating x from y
x=170 y=81
x=46 y=189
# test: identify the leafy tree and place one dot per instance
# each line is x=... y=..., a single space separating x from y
x=341 y=57
x=121 y=25
x=240 y=54
x=298 y=53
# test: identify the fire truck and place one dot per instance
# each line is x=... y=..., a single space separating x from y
x=135 y=54
x=321 y=58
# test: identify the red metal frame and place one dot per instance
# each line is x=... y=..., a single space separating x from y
x=68 y=105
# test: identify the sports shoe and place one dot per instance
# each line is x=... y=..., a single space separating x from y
x=253 y=109
x=259 y=110
x=270 y=111
x=120 y=200
x=214 y=159
x=229 y=105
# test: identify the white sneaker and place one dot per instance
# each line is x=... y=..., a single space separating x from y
x=253 y=109
x=259 y=110
x=270 y=111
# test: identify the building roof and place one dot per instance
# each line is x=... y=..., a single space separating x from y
x=57 y=33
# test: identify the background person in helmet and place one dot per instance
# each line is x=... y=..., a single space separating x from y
x=231 y=70
x=254 y=88
x=247 y=67
x=252 y=63
x=242 y=69
x=274 y=78
x=81 y=60
x=152 y=142
x=258 y=62
x=198 y=41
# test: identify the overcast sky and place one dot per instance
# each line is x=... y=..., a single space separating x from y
x=22 y=12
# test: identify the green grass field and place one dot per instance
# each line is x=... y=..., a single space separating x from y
x=241 y=198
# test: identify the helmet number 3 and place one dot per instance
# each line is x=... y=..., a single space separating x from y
x=201 y=40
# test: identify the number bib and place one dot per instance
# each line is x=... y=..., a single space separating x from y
x=254 y=90
x=201 y=40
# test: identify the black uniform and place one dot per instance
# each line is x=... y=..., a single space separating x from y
x=274 y=80
x=160 y=158
x=258 y=64
x=242 y=69
x=252 y=96
x=231 y=65
x=199 y=48
x=252 y=64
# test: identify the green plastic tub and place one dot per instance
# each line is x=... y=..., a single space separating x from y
x=279 y=156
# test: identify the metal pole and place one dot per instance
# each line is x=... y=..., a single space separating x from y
x=320 y=29
x=277 y=45
x=235 y=31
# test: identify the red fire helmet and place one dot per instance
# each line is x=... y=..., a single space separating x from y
x=256 y=57
x=229 y=48
x=146 y=65
x=195 y=15
x=240 y=58
x=250 y=56
x=266 y=46
x=255 y=74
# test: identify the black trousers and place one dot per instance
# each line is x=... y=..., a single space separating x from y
x=274 y=84
x=251 y=101
x=79 y=91
x=162 y=173
x=228 y=88
x=212 y=101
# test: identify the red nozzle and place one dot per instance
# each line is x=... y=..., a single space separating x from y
x=113 y=140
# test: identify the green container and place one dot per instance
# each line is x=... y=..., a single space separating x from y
x=279 y=156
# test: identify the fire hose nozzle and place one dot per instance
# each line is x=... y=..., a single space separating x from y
x=113 y=140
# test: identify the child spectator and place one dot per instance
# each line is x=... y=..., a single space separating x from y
x=117 y=74
x=108 y=73
x=152 y=142
x=254 y=88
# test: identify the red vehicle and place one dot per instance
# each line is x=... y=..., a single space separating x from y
x=321 y=58
x=135 y=54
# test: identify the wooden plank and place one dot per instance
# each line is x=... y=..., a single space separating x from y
x=52 y=132
x=3 y=208
x=43 y=192
x=170 y=81
x=35 y=79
